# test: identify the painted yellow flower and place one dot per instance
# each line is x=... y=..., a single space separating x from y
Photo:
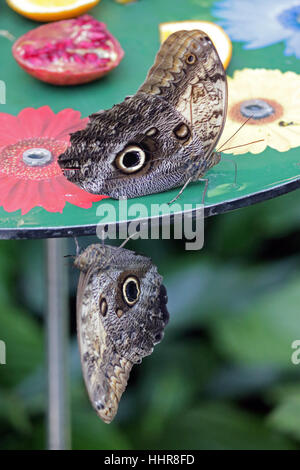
x=272 y=100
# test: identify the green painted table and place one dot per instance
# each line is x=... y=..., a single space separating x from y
x=259 y=177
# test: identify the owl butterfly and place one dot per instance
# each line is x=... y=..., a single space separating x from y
x=164 y=135
x=121 y=316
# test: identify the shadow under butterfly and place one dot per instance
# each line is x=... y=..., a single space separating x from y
x=121 y=316
x=162 y=137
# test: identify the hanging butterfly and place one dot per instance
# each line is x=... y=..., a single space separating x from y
x=121 y=316
x=162 y=137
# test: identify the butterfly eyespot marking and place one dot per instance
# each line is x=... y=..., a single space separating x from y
x=190 y=59
x=131 y=159
x=99 y=405
x=85 y=172
x=119 y=312
x=181 y=131
x=103 y=306
x=131 y=290
x=158 y=337
x=151 y=132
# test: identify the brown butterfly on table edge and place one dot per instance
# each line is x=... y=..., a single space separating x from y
x=162 y=137
x=121 y=316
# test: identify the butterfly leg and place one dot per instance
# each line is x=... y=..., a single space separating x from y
x=77 y=249
x=193 y=170
x=206 y=180
x=77 y=246
x=205 y=188
x=181 y=191
x=235 y=169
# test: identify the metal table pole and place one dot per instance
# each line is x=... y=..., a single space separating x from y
x=58 y=422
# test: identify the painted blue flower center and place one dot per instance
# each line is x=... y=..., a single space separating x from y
x=256 y=109
x=37 y=157
x=290 y=18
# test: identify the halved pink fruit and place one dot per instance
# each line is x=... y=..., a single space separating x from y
x=68 y=52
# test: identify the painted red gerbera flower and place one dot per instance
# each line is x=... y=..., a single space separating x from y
x=29 y=173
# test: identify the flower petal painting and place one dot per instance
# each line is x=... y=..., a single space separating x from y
x=266 y=104
x=30 y=176
x=261 y=23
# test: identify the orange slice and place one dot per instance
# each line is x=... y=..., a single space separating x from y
x=51 y=10
x=217 y=34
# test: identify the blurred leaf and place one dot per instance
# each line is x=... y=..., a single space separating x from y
x=33 y=275
x=281 y=215
x=286 y=416
x=13 y=411
x=262 y=333
x=9 y=254
x=238 y=381
x=217 y=426
x=284 y=391
x=198 y=292
x=33 y=391
x=241 y=232
x=90 y=433
x=171 y=379
x=24 y=344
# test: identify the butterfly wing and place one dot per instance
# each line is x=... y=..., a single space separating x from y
x=105 y=373
x=121 y=314
x=189 y=73
x=152 y=141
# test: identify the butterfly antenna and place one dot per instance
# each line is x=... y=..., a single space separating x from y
x=243 y=145
x=127 y=240
x=181 y=191
x=206 y=181
x=231 y=137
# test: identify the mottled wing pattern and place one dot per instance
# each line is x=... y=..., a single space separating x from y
x=162 y=136
x=189 y=74
x=112 y=334
x=105 y=372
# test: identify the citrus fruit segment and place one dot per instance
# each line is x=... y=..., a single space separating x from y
x=217 y=34
x=51 y=10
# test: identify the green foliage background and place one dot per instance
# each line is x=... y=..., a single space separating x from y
x=221 y=379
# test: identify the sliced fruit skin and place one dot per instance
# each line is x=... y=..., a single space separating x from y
x=68 y=52
x=214 y=31
x=44 y=15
